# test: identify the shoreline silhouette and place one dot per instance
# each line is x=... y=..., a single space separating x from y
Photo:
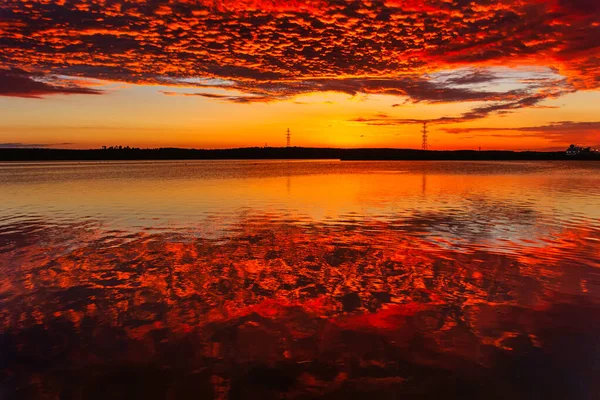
x=281 y=153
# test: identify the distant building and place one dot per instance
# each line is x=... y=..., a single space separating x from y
x=578 y=150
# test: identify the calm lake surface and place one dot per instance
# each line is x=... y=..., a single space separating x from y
x=300 y=279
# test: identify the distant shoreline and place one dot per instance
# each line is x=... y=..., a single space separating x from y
x=283 y=153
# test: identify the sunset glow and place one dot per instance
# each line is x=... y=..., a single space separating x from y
x=509 y=74
x=299 y=199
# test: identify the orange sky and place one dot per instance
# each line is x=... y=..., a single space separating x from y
x=501 y=75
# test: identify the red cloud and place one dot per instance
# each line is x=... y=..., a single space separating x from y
x=285 y=43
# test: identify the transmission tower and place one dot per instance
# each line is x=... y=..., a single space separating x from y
x=424 y=145
x=289 y=138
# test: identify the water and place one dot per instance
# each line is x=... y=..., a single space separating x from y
x=298 y=279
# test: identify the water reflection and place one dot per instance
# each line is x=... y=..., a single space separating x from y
x=384 y=288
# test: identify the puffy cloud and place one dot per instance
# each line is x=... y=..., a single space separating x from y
x=278 y=49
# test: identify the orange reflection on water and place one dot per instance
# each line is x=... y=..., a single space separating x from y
x=295 y=298
x=400 y=284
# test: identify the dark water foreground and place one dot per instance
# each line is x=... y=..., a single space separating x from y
x=472 y=284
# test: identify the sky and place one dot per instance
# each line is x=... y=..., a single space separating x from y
x=508 y=74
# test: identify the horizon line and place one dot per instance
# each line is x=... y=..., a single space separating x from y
x=131 y=148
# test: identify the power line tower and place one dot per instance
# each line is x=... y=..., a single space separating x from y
x=424 y=145
x=289 y=138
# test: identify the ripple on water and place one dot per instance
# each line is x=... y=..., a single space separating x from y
x=476 y=280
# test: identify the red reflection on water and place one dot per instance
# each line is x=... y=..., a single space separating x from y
x=302 y=310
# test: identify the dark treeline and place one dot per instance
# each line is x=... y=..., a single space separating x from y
x=273 y=153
